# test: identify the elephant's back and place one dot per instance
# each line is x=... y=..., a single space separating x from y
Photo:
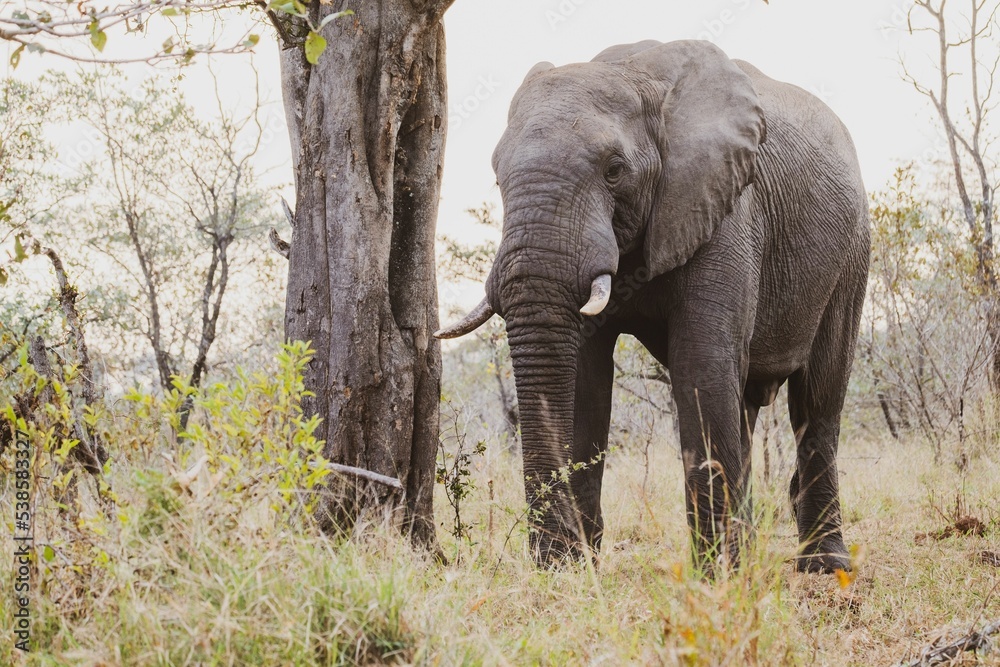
x=802 y=125
x=811 y=211
x=808 y=174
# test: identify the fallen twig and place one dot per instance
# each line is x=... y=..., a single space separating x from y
x=366 y=474
x=974 y=641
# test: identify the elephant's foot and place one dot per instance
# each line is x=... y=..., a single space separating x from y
x=712 y=561
x=552 y=549
x=562 y=536
x=824 y=557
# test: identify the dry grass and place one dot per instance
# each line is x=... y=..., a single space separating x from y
x=180 y=585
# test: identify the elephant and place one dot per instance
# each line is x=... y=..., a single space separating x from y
x=666 y=191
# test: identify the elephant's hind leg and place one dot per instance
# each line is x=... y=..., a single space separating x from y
x=815 y=401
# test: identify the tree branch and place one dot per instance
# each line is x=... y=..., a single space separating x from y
x=53 y=20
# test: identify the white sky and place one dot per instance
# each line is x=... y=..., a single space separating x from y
x=846 y=52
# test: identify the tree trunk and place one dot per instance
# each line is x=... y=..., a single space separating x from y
x=993 y=340
x=370 y=120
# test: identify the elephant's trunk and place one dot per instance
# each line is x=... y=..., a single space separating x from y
x=543 y=352
x=556 y=258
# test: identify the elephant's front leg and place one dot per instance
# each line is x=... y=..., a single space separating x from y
x=708 y=368
x=592 y=419
x=716 y=469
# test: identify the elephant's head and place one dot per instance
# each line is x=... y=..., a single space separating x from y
x=647 y=146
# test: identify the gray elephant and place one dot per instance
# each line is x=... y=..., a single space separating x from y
x=717 y=215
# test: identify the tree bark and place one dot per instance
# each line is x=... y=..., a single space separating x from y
x=164 y=364
x=91 y=452
x=370 y=121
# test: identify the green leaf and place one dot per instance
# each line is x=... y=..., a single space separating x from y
x=15 y=57
x=19 y=254
x=251 y=41
x=48 y=553
x=3 y=276
x=284 y=7
x=334 y=17
x=97 y=36
x=315 y=46
x=168 y=44
x=169 y=11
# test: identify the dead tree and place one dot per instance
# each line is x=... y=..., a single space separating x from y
x=90 y=452
x=367 y=125
x=967 y=147
x=367 y=122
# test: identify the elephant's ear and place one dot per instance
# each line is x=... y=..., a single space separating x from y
x=622 y=51
x=543 y=66
x=711 y=125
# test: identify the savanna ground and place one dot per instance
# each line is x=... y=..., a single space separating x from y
x=208 y=559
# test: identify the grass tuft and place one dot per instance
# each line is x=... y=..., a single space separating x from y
x=223 y=567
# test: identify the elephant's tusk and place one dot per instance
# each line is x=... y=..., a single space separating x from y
x=469 y=323
x=600 y=292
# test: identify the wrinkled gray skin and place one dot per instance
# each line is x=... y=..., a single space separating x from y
x=730 y=210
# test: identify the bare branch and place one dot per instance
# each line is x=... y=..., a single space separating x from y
x=973 y=641
x=40 y=22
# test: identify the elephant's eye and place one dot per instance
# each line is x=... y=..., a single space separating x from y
x=614 y=171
